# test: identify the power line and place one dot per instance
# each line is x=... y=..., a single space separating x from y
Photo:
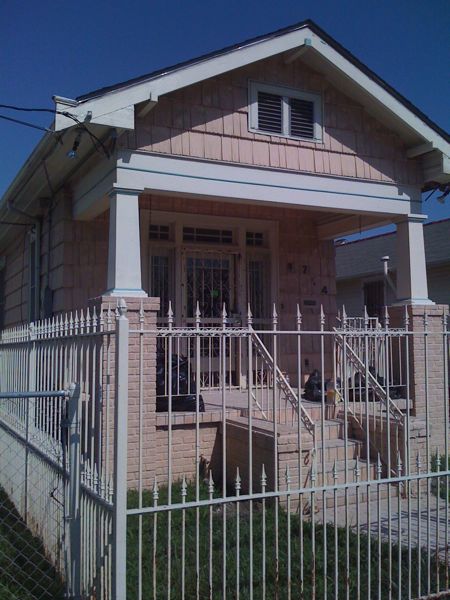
x=95 y=140
x=27 y=124
x=24 y=109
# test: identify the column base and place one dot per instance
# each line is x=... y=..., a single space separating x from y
x=414 y=302
x=128 y=293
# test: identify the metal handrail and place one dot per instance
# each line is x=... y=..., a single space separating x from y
x=281 y=380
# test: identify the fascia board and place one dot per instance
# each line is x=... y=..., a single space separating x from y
x=150 y=172
x=111 y=104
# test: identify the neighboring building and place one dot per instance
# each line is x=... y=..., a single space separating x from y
x=224 y=179
x=360 y=279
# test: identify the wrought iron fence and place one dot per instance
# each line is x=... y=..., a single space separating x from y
x=292 y=483
x=227 y=459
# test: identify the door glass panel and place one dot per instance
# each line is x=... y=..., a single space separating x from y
x=159 y=282
x=208 y=282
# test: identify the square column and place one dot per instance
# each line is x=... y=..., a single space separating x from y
x=412 y=286
x=124 y=251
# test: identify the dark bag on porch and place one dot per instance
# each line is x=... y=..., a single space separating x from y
x=183 y=386
x=180 y=403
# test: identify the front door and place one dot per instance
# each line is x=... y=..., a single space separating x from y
x=209 y=279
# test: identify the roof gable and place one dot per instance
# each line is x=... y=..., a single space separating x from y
x=115 y=105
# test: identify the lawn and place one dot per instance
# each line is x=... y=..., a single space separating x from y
x=313 y=556
x=25 y=573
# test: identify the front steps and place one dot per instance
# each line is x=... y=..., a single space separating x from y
x=341 y=453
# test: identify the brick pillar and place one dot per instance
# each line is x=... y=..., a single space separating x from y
x=142 y=314
x=426 y=357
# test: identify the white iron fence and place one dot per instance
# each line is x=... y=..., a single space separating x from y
x=228 y=459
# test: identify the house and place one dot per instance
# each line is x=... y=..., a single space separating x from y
x=360 y=279
x=233 y=171
x=203 y=201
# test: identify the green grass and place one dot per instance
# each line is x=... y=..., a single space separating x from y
x=313 y=563
x=444 y=488
x=25 y=573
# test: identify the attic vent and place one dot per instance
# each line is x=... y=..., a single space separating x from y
x=270 y=112
x=285 y=112
x=302 y=118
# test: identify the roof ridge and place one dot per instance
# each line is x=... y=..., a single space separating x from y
x=301 y=24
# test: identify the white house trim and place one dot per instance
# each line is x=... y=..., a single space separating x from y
x=101 y=109
x=124 y=250
x=156 y=173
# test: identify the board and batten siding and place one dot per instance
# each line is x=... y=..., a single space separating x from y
x=209 y=120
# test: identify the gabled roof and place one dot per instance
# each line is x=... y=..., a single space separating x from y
x=116 y=105
x=362 y=258
x=261 y=38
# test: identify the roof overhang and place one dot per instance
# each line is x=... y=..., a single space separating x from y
x=118 y=106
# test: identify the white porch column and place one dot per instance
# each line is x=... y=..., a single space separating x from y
x=124 y=252
x=412 y=287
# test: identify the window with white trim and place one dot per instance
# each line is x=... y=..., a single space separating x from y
x=277 y=110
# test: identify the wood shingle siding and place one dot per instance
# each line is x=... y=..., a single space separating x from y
x=209 y=120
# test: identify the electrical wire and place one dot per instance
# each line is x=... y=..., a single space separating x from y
x=23 y=109
x=64 y=113
x=27 y=124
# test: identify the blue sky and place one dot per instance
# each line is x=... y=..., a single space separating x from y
x=63 y=48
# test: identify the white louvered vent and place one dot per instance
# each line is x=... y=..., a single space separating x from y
x=270 y=112
x=286 y=112
x=302 y=118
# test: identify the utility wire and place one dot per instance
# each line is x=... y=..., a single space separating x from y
x=93 y=137
x=27 y=124
x=12 y=107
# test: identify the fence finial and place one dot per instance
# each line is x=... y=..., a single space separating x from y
x=121 y=307
x=399 y=465
x=344 y=317
x=263 y=478
x=366 y=317
x=183 y=489
x=313 y=468
x=249 y=315
x=197 y=315
x=274 y=316
x=210 y=485
x=406 y=317
x=299 y=317
x=322 y=317
x=379 y=466
x=224 y=316
x=237 y=482
x=386 y=317
x=287 y=477
x=438 y=460
x=155 y=491
x=170 y=315
x=335 y=473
